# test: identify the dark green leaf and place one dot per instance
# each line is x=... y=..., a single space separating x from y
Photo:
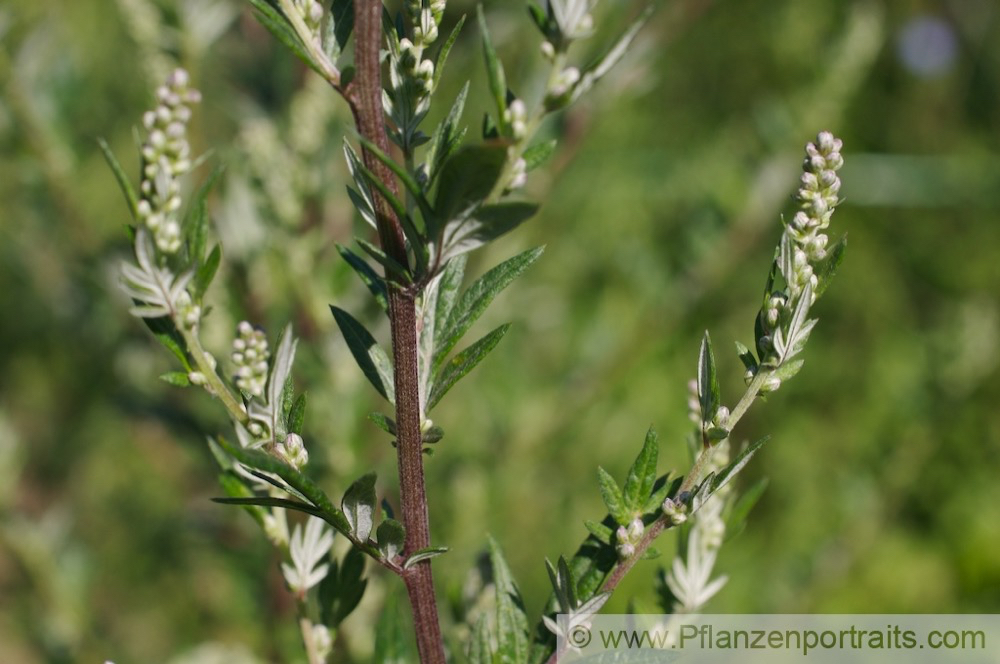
x=652 y=553
x=480 y=645
x=723 y=477
x=206 y=272
x=383 y=422
x=374 y=362
x=382 y=259
x=268 y=464
x=167 y=334
x=266 y=501
x=737 y=517
x=749 y=361
x=708 y=381
x=613 y=498
x=342 y=15
x=600 y=531
x=541 y=19
x=567 y=581
x=123 y=182
x=390 y=535
x=474 y=301
x=466 y=179
x=664 y=487
x=447 y=294
x=370 y=278
x=494 y=68
x=442 y=56
x=447 y=137
x=424 y=554
x=410 y=182
x=358 y=506
x=176 y=378
x=432 y=435
x=278 y=25
x=512 y=622
x=642 y=475
x=463 y=363
x=393 y=640
x=537 y=154
x=835 y=256
x=297 y=414
x=342 y=589
x=234 y=488
x=597 y=70
x=196 y=219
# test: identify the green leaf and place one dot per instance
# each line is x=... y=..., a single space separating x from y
x=597 y=70
x=708 y=381
x=267 y=501
x=463 y=363
x=664 y=487
x=407 y=179
x=613 y=498
x=749 y=361
x=724 y=476
x=512 y=622
x=278 y=25
x=342 y=589
x=123 y=182
x=447 y=295
x=391 y=536
x=382 y=259
x=206 y=272
x=480 y=645
x=736 y=520
x=447 y=137
x=298 y=481
x=835 y=256
x=196 y=220
x=787 y=370
x=541 y=19
x=374 y=361
x=370 y=278
x=176 y=378
x=488 y=223
x=465 y=180
x=642 y=475
x=342 y=16
x=474 y=301
x=393 y=640
x=494 y=69
x=442 y=56
x=383 y=422
x=358 y=506
x=424 y=554
x=297 y=414
x=600 y=531
x=538 y=154
x=235 y=488
x=167 y=334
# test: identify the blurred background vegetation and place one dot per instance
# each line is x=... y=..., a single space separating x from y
x=660 y=213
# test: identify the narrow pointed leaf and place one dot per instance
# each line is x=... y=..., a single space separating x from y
x=494 y=68
x=206 y=272
x=481 y=645
x=724 y=476
x=512 y=622
x=599 y=69
x=123 y=182
x=372 y=359
x=467 y=178
x=297 y=414
x=442 y=57
x=708 y=381
x=829 y=268
x=642 y=475
x=176 y=378
x=538 y=154
x=463 y=363
x=474 y=301
x=278 y=25
x=370 y=278
x=298 y=481
x=600 y=531
x=424 y=554
x=613 y=498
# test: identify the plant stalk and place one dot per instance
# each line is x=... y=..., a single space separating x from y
x=366 y=97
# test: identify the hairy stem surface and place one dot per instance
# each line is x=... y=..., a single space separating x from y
x=367 y=106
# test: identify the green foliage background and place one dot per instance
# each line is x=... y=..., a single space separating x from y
x=661 y=209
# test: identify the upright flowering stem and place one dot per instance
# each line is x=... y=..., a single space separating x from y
x=366 y=98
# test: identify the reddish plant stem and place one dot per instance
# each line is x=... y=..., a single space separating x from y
x=365 y=95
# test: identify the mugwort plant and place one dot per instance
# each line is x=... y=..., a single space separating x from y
x=430 y=199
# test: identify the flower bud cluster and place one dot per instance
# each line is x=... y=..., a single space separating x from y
x=311 y=12
x=516 y=117
x=166 y=156
x=425 y=20
x=818 y=196
x=560 y=88
x=250 y=355
x=292 y=451
x=413 y=76
x=628 y=538
x=675 y=510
